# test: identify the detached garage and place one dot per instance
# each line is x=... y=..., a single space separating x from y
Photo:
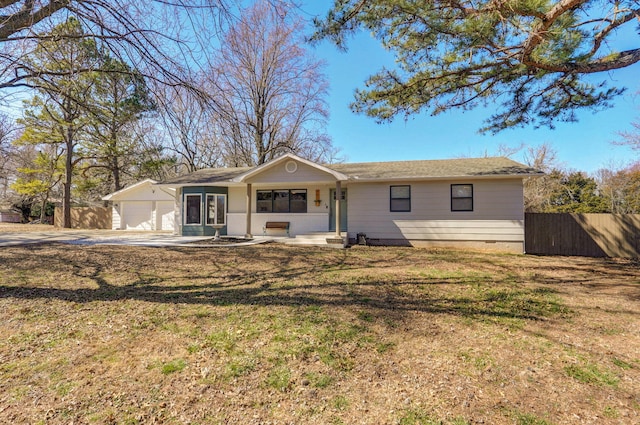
x=142 y=206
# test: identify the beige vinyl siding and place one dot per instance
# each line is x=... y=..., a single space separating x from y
x=303 y=173
x=299 y=223
x=467 y=230
x=316 y=219
x=237 y=200
x=498 y=212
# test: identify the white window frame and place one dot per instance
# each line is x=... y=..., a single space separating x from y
x=186 y=213
x=215 y=215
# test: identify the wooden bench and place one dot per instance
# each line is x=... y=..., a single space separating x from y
x=283 y=225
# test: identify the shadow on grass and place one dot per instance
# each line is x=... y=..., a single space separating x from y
x=308 y=278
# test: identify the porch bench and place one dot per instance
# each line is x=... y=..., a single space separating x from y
x=283 y=225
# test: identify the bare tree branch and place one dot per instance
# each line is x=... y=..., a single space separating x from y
x=271 y=91
x=166 y=41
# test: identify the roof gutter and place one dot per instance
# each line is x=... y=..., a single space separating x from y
x=356 y=179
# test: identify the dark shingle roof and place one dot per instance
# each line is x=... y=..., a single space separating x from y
x=438 y=168
x=426 y=169
x=209 y=175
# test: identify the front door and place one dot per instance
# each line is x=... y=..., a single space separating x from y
x=343 y=211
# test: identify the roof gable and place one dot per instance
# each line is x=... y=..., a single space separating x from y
x=286 y=167
x=143 y=190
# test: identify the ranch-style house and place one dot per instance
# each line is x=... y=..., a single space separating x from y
x=462 y=202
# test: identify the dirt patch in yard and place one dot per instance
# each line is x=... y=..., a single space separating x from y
x=224 y=240
x=272 y=334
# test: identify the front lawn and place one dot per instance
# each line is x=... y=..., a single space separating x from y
x=272 y=334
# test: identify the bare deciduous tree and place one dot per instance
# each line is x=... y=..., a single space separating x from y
x=631 y=138
x=269 y=91
x=8 y=131
x=538 y=190
x=160 y=39
x=191 y=134
x=621 y=188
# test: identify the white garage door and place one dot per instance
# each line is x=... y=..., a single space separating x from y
x=166 y=215
x=136 y=215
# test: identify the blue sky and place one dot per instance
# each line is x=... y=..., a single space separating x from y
x=584 y=146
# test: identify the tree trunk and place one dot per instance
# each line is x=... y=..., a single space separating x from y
x=68 y=174
x=66 y=202
x=259 y=143
x=43 y=214
x=116 y=174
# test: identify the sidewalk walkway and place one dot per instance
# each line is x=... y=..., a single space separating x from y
x=112 y=237
x=96 y=237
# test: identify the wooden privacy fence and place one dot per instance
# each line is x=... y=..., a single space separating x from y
x=86 y=217
x=588 y=235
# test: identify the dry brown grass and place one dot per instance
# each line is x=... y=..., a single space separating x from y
x=279 y=335
x=26 y=228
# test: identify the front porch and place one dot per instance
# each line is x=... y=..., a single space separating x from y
x=300 y=225
x=289 y=196
x=283 y=190
x=317 y=239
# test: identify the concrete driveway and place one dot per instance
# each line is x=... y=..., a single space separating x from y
x=96 y=237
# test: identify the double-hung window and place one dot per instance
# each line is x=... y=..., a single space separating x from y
x=281 y=201
x=461 y=197
x=400 y=198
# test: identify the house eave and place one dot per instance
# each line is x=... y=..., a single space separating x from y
x=200 y=184
x=356 y=179
x=116 y=195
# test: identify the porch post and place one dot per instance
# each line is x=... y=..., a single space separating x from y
x=248 y=233
x=338 y=197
